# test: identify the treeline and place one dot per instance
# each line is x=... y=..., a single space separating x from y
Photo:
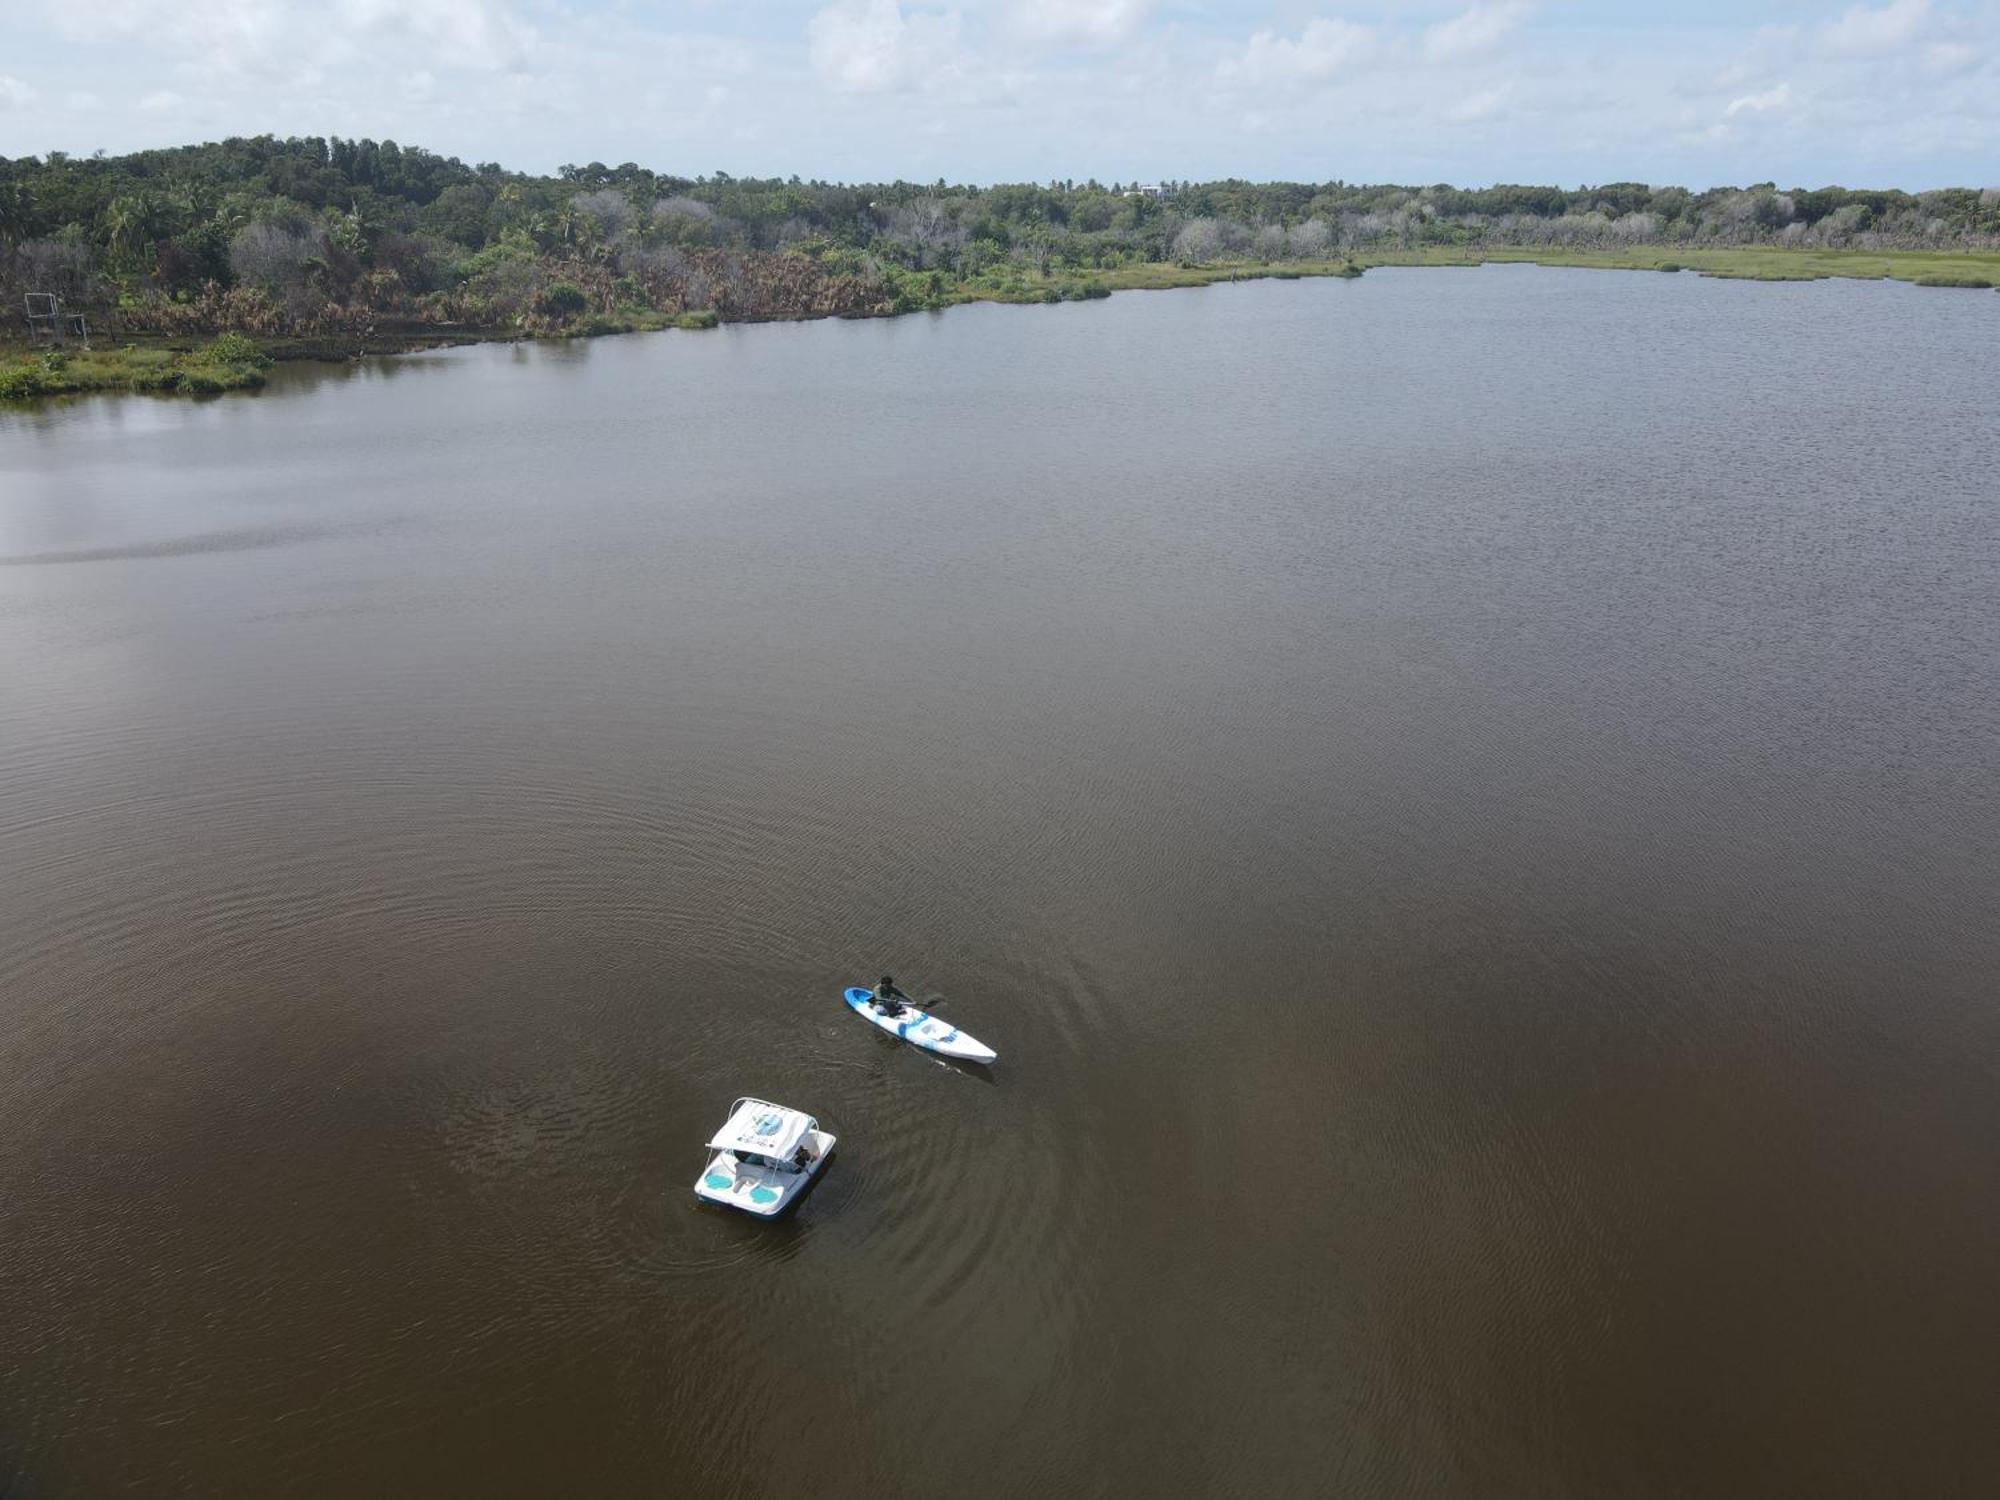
x=312 y=235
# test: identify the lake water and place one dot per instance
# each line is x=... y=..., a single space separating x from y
x=1467 y=801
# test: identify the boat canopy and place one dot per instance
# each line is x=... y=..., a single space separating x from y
x=763 y=1129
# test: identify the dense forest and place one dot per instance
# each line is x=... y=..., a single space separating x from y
x=309 y=235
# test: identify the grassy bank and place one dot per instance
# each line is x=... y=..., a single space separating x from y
x=230 y=363
x=1014 y=284
x=237 y=362
x=1746 y=262
x=1930 y=268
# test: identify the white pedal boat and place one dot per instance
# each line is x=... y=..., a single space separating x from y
x=765 y=1154
x=921 y=1029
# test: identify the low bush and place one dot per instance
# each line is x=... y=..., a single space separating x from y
x=202 y=380
x=235 y=349
x=562 y=300
x=230 y=362
x=20 y=381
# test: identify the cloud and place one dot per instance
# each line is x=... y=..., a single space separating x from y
x=1947 y=58
x=1881 y=91
x=1861 y=32
x=1771 y=99
x=1078 y=23
x=1323 y=49
x=230 y=36
x=289 y=37
x=482 y=35
x=1329 y=46
x=1481 y=106
x=1475 y=32
x=160 y=101
x=873 y=47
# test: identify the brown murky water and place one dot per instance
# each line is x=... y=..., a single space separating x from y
x=1465 y=800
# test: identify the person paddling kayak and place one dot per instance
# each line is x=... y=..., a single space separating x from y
x=889 y=1009
x=890 y=1000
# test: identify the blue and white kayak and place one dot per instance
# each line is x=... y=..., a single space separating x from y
x=920 y=1028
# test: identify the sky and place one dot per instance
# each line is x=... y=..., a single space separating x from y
x=1901 y=93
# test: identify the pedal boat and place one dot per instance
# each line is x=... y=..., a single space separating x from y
x=764 y=1156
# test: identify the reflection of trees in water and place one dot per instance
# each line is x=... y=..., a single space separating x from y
x=299 y=376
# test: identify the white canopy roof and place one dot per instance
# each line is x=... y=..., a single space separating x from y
x=767 y=1129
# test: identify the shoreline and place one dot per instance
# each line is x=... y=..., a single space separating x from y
x=160 y=365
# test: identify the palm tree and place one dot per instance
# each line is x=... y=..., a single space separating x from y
x=131 y=225
x=565 y=223
x=14 y=209
x=179 y=208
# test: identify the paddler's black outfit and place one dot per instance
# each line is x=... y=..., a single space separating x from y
x=889 y=997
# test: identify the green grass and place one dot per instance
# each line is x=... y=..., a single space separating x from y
x=1013 y=284
x=234 y=362
x=624 y=320
x=231 y=363
x=1743 y=262
x=1959 y=268
x=632 y=320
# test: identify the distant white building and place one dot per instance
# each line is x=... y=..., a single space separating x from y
x=1148 y=190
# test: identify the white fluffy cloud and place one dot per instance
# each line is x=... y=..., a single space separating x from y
x=1484 y=105
x=1947 y=58
x=1890 y=92
x=485 y=35
x=1757 y=104
x=294 y=37
x=875 y=46
x=1331 y=47
x=1474 y=32
x=1078 y=23
x=1323 y=49
x=1861 y=32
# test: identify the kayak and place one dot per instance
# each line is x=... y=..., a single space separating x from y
x=922 y=1029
